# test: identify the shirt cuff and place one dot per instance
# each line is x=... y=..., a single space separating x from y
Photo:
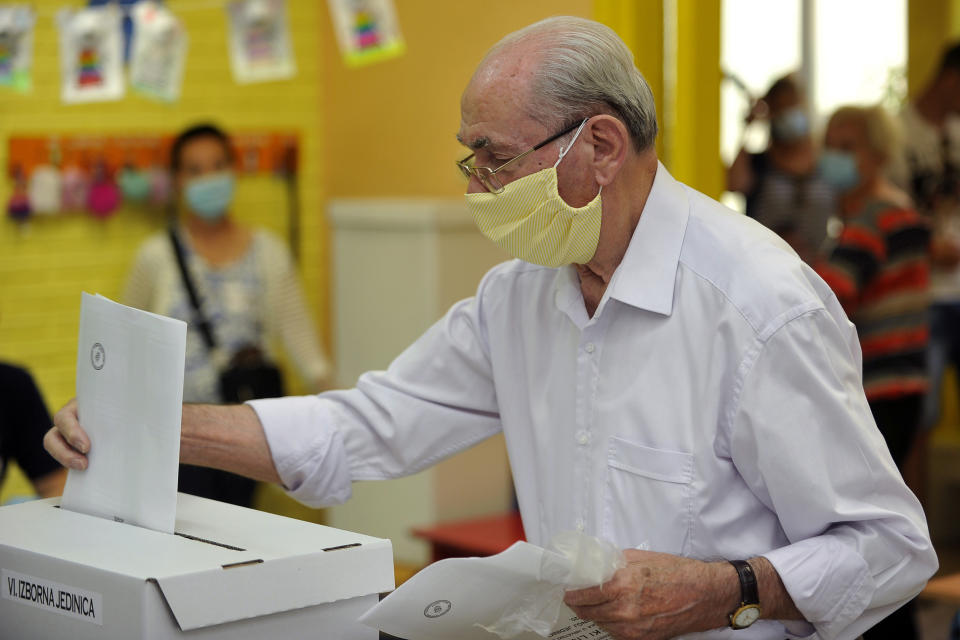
x=306 y=447
x=829 y=582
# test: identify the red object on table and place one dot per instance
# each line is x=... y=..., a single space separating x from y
x=475 y=537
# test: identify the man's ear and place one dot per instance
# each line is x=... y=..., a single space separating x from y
x=611 y=142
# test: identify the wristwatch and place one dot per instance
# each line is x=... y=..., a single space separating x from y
x=749 y=610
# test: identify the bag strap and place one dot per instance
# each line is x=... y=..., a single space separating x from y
x=206 y=330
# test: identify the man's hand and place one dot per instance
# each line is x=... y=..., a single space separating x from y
x=66 y=441
x=658 y=595
x=227 y=437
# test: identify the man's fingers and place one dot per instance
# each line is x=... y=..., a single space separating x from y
x=60 y=449
x=67 y=423
x=66 y=441
x=590 y=596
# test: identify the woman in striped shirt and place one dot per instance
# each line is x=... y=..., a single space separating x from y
x=880 y=271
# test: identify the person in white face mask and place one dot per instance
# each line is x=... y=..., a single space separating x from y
x=879 y=267
x=783 y=189
x=668 y=376
x=245 y=281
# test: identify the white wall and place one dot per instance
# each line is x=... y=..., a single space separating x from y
x=398 y=266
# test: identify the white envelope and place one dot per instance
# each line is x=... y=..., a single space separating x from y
x=452 y=598
x=129 y=400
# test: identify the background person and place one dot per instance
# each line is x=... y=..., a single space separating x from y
x=929 y=170
x=245 y=279
x=880 y=271
x=782 y=187
x=23 y=421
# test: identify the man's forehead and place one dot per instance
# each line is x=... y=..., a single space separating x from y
x=497 y=126
x=489 y=121
x=494 y=109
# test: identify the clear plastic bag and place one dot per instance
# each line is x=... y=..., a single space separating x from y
x=574 y=560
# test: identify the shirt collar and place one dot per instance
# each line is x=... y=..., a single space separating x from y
x=645 y=277
x=568 y=297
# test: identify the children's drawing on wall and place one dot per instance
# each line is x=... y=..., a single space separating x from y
x=158 y=53
x=260 y=46
x=16 y=47
x=367 y=30
x=91 y=54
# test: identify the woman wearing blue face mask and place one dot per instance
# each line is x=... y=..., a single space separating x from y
x=880 y=271
x=245 y=282
x=782 y=188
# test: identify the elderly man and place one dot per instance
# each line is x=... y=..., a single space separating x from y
x=668 y=376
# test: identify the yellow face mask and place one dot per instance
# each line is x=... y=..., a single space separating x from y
x=530 y=220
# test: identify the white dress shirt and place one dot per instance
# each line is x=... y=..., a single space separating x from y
x=712 y=407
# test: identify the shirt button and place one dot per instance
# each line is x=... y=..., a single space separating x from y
x=582 y=437
x=580 y=524
x=590 y=348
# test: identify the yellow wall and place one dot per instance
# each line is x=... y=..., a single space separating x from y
x=391 y=126
x=676 y=44
x=15 y=486
x=931 y=25
x=692 y=108
x=640 y=25
x=387 y=129
x=45 y=266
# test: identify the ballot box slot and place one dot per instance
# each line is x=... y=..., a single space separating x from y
x=234 y=565
x=216 y=544
x=225 y=545
x=343 y=546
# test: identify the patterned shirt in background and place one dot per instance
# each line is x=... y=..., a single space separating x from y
x=880 y=272
x=796 y=208
x=256 y=299
x=231 y=296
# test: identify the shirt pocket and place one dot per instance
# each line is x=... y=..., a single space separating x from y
x=648 y=501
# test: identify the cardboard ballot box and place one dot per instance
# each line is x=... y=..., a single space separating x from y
x=227 y=572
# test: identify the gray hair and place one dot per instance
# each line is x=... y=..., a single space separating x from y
x=585 y=68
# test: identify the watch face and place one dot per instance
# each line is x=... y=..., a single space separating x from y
x=746 y=616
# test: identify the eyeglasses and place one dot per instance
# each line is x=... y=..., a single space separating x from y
x=488 y=177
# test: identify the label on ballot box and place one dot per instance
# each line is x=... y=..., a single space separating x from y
x=52 y=596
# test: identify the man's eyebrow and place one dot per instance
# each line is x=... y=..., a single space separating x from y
x=476 y=143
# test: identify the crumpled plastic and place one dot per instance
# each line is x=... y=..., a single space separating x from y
x=574 y=560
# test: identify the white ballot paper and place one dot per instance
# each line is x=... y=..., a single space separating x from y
x=464 y=597
x=129 y=401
